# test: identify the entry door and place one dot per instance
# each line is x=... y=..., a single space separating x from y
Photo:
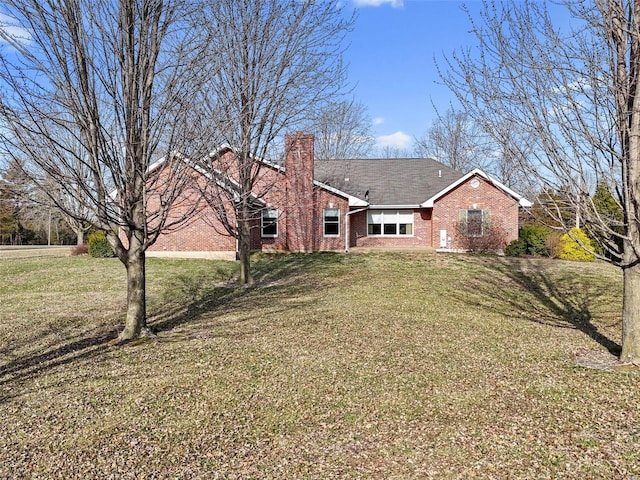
x=443 y=239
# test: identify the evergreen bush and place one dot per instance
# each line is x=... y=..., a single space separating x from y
x=516 y=248
x=99 y=246
x=576 y=250
x=535 y=238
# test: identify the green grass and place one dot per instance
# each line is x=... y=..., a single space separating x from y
x=386 y=366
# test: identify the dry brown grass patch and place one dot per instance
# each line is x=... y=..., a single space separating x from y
x=398 y=365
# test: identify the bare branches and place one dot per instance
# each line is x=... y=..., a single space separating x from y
x=97 y=96
x=569 y=101
x=547 y=95
x=272 y=62
x=457 y=141
x=101 y=92
x=342 y=130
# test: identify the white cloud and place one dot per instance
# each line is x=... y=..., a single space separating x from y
x=378 y=121
x=377 y=3
x=395 y=140
x=12 y=29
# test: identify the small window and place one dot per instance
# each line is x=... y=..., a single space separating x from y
x=269 y=222
x=406 y=228
x=375 y=229
x=331 y=220
x=405 y=223
x=374 y=223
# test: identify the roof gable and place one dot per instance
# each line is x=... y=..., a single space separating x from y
x=521 y=200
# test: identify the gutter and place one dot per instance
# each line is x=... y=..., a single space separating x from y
x=346 y=226
x=395 y=207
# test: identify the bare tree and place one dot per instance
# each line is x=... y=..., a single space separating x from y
x=459 y=142
x=277 y=60
x=569 y=101
x=34 y=205
x=15 y=187
x=94 y=92
x=390 y=151
x=342 y=130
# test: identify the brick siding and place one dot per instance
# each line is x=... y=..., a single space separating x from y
x=446 y=211
x=421 y=232
x=300 y=207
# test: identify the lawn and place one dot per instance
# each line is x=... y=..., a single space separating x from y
x=360 y=366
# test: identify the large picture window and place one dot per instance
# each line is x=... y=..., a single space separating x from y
x=331 y=222
x=390 y=222
x=269 y=227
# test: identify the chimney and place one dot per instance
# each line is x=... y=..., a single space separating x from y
x=299 y=157
x=300 y=205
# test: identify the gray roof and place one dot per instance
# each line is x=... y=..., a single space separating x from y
x=389 y=181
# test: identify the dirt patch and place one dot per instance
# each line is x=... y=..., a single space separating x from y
x=603 y=360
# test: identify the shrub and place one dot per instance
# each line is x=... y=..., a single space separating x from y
x=574 y=245
x=516 y=248
x=554 y=244
x=535 y=238
x=491 y=240
x=81 y=249
x=99 y=246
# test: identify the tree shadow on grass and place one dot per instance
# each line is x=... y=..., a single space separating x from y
x=280 y=277
x=59 y=354
x=282 y=281
x=547 y=295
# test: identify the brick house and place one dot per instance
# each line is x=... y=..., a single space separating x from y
x=336 y=205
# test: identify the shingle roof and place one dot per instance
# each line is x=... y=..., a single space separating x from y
x=394 y=181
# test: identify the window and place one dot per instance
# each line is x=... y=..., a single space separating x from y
x=331 y=221
x=474 y=223
x=269 y=225
x=390 y=222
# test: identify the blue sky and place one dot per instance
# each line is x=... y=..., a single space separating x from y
x=391 y=62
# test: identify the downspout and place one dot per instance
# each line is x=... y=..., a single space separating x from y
x=346 y=226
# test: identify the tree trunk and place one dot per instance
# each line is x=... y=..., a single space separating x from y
x=79 y=236
x=631 y=315
x=244 y=251
x=136 y=321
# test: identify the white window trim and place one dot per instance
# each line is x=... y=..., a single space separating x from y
x=262 y=234
x=324 y=223
x=397 y=223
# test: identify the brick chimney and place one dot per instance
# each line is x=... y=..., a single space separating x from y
x=300 y=205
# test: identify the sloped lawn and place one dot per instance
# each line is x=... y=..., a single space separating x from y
x=384 y=366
